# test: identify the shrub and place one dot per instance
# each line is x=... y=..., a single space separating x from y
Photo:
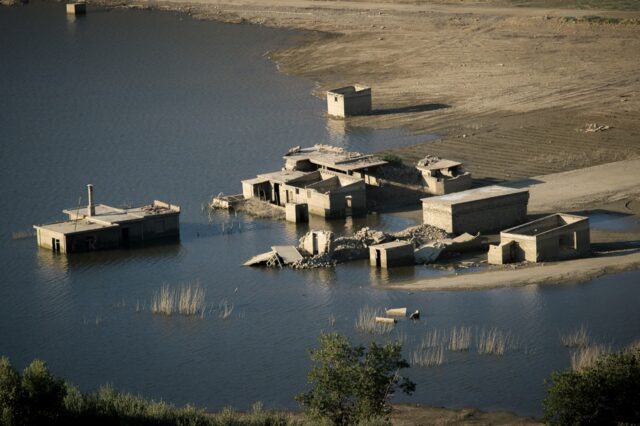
x=392 y=159
x=605 y=393
x=10 y=393
x=351 y=384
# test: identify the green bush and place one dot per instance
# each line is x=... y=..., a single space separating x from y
x=392 y=159
x=606 y=393
x=36 y=397
x=351 y=384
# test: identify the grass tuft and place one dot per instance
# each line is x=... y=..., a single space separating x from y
x=366 y=321
x=188 y=300
x=577 y=339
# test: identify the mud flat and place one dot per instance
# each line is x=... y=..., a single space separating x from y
x=510 y=89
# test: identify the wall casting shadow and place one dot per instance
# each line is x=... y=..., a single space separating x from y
x=409 y=109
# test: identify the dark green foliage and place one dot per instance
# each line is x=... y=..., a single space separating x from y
x=35 y=398
x=606 y=393
x=392 y=159
x=351 y=384
x=10 y=393
x=38 y=398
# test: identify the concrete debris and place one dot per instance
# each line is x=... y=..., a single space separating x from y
x=428 y=253
x=428 y=160
x=384 y=320
x=594 y=127
x=288 y=254
x=261 y=209
x=312 y=262
x=317 y=243
x=396 y=312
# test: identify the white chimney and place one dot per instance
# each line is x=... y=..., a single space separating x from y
x=91 y=208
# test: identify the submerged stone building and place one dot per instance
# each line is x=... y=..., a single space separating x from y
x=99 y=227
x=326 y=193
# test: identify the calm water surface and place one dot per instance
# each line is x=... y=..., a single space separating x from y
x=151 y=105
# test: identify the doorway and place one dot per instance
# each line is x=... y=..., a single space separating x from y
x=378 y=259
x=276 y=193
x=55 y=245
x=124 y=237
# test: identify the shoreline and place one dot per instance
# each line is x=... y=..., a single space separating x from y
x=590 y=187
x=494 y=82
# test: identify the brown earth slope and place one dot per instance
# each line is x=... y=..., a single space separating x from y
x=509 y=89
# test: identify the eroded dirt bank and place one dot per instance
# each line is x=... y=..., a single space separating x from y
x=509 y=89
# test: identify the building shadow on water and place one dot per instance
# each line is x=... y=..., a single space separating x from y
x=409 y=109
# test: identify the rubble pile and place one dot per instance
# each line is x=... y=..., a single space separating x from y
x=261 y=209
x=429 y=159
x=420 y=234
x=312 y=262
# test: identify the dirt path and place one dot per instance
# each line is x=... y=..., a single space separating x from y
x=583 y=188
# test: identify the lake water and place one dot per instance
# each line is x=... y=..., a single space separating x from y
x=151 y=105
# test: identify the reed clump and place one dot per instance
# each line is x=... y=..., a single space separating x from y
x=577 y=339
x=493 y=341
x=366 y=321
x=459 y=339
x=226 y=309
x=586 y=356
x=188 y=300
x=427 y=356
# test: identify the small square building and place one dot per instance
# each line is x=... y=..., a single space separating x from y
x=555 y=237
x=486 y=209
x=441 y=177
x=349 y=100
x=389 y=255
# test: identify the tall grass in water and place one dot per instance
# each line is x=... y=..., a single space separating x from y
x=494 y=341
x=366 y=321
x=163 y=301
x=585 y=356
x=188 y=300
x=460 y=339
x=432 y=339
x=226 y=309
x=427 y=356
x=577 y=339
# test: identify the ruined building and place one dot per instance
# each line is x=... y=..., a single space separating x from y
x=486 y=209
x=327 y=194
x=349 y=100
x=558 y=236
x=440 y=177
x=334 y=159
x=98 y=227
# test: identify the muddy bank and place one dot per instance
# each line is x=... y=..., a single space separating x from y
x=511 y=90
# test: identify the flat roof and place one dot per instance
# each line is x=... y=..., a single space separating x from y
x=74 y=226
x=440 y=164
x=470 y=195
x=283 y=176
x=334 y=157
x=345 y=90
x=106 y=217
x=392 y=244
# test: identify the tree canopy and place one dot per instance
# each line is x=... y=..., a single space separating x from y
x=352 y=383
x=605 y=393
